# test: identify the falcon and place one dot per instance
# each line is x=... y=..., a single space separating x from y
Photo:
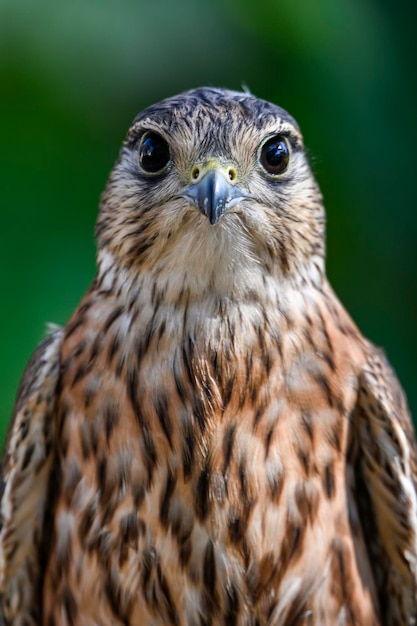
x=209 y=440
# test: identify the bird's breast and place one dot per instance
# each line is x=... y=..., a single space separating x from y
x=201 y=456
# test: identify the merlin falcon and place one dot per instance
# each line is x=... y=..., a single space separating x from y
x=209 y=440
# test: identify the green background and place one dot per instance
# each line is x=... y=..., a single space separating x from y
x=74 y=74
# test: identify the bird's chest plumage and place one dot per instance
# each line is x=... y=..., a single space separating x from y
x=202 y=456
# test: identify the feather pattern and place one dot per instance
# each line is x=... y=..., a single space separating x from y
x=26 y=468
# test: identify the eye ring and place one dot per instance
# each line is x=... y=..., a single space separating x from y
x=154 y=153
x=274 y=155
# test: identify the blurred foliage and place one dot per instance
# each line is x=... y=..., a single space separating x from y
x=74 y=74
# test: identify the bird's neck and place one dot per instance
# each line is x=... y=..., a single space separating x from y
x=207 y=284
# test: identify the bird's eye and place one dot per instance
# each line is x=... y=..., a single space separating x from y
x=154 y=153
x=274 y=155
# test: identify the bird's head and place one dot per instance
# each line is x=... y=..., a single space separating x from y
x=213 y=188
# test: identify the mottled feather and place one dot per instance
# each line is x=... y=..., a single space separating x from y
x=26 y=467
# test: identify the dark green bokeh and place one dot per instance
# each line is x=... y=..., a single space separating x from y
x=73 y=75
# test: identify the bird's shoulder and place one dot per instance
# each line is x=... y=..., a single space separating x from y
x=385 y=475
x=25 y=473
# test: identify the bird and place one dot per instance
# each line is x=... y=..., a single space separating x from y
x=209 y=439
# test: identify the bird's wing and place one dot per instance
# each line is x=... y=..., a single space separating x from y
x=25 y=477
x=385 y=486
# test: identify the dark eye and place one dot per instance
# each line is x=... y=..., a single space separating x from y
x=274 y=155
x=154 y=153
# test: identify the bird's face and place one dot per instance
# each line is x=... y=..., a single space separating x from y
x=213 y=186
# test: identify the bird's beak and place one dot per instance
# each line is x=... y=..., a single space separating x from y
x=213 y=193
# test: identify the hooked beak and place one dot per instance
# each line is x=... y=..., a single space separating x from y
x=213 y=194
